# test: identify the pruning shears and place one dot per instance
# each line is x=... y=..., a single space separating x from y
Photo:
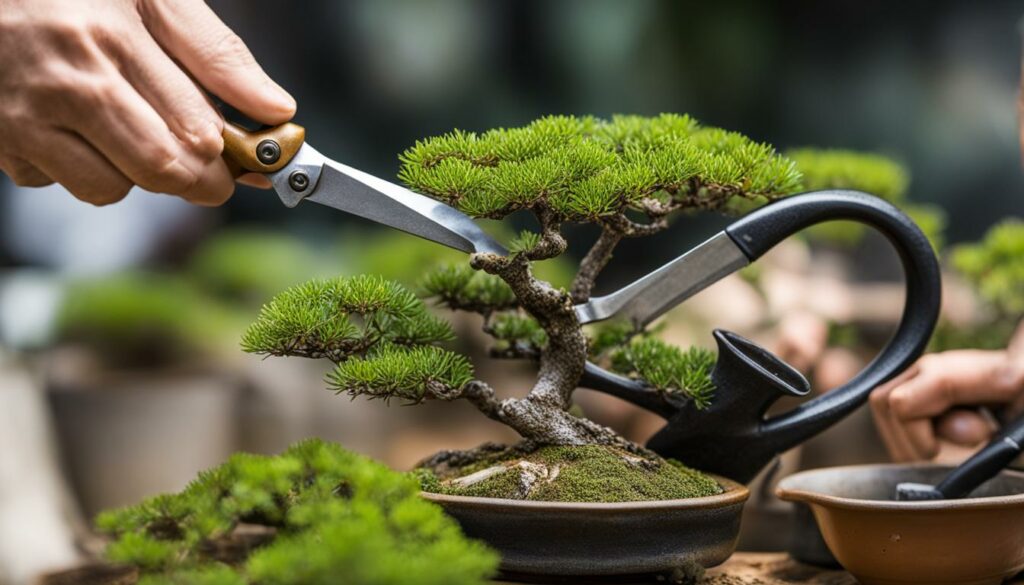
x=732 y=436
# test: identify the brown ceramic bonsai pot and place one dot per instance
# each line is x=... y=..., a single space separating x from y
x=543 y=541
x=972 y=541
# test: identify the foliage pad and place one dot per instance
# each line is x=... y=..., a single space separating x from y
x=585 y=169
x=341 y=317
x=329 y=514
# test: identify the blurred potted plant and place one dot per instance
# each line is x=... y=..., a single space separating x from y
x=993 y=269
x=139 y=400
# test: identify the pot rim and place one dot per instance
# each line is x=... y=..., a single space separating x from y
x=833 y=501
x=733 y=493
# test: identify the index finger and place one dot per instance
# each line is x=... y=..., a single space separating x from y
x=193 y=34
x=961 y=380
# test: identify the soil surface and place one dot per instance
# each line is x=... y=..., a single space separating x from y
x=589 y=473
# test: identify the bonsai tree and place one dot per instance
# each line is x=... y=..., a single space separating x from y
x=313 y=514
x=629 y=176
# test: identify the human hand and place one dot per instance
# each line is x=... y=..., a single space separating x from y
x=933 y=400
x=101 y=95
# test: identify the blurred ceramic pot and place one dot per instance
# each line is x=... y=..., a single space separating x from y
x=126 y=435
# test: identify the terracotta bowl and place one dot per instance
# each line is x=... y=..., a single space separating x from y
x=542 y=541
x=977 y=540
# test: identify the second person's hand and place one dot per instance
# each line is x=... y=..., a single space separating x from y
x=937 y=399
x=102 y=95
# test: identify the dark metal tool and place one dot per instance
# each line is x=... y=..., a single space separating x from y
x=979 y=468
x=732 y=437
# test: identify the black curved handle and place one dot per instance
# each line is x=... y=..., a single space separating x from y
x=759 y=231
x=985 y=464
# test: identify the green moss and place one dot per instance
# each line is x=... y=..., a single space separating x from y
x=502 y=485
x=589 y=473
x=326 y=513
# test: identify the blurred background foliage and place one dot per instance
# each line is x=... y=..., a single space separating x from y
x=931 y=84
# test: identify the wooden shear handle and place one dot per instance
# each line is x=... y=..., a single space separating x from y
x=261 y=151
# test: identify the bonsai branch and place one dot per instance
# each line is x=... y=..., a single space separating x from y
x=551 y=242
x=593 y=263
x=478 y=393
x=613 y=230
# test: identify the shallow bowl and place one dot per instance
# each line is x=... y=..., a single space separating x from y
x=542 y=541
x=978 y=540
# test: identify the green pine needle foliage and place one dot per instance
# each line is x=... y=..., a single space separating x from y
x=524 y=241
x=583 y=169
x=995 y=267
x=668 y=368
x=459 y=286
x=340 y=317
x=409 y=373
x=330 y=514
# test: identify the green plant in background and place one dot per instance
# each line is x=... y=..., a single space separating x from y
x=994 y=268
x=312 y=515
x=140 y=319
x=247 y=265
x=862 y=171
x=629 y=176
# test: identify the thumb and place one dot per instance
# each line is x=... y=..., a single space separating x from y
x=191 y=33
x=964 y=427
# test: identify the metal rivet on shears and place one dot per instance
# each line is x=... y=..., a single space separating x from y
x=298 y=181
x=268 y=151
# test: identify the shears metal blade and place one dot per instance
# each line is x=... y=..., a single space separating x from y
x=300 y=173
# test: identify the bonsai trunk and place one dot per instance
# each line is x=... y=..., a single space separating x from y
x=542 y=417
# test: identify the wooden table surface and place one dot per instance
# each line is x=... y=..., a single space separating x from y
x=778 y=569
x=746 y=568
